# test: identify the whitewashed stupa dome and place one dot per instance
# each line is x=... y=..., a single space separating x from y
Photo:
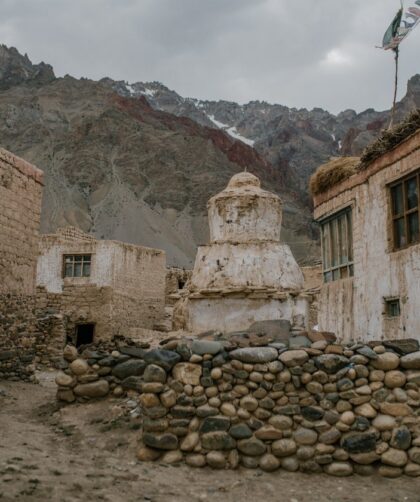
x=244 y=212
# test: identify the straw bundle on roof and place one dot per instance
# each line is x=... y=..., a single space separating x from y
x=390 y=139
x=331 y=173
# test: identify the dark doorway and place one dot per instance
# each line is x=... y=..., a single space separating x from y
x=84 y=334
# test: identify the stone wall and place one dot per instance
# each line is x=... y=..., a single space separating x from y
x=29 y=337
x=354 y=308
x=20 y=208
x=315 y=406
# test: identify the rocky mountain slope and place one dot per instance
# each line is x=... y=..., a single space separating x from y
x=139 y=162
x=293 y=141
x=119 y=168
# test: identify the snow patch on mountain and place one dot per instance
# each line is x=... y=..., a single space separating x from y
x=232 y=131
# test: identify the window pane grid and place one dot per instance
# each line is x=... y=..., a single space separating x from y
x=77 y=265
x=337 y=252
x=405 y=204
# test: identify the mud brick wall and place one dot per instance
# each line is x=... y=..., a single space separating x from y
x=20 y=208
x=320 y=408
x=29 y=337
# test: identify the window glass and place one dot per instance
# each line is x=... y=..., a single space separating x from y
x=411 y=191
x=405 y=211
x=399 y=233
x=397 y=200
x=336 y=234
x=77 y=265
x=413 y=227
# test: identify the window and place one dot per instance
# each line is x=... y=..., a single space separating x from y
x=77 y=265
x=337 y=246
x=392 y=307
x=405 y=211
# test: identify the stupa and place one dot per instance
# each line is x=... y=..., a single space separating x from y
x=245 y=274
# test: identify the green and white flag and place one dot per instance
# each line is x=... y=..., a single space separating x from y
x=401 y=25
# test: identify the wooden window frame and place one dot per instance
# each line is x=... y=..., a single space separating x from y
x=406 y=212
x=342 y=269
x=83 y=261
x=387 y=308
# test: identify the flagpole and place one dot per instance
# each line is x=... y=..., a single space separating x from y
x=397 y=53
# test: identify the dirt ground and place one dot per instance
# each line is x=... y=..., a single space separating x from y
x=84 y=452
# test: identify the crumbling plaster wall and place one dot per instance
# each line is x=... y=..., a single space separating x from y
x=126 y=288
x=20 y=209
x=354 y=308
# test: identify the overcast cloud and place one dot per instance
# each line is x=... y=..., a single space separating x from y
x=301 y=53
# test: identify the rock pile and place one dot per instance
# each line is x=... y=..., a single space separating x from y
x=316 y=407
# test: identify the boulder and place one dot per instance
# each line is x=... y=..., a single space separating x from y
x=165 y=441
x=63 y=380
x=401 y=438
x=394 y=378
x=411 y=361
x=217 y=440
x=100 y=388
x=216 y=460
x=359 y=442
x=299 y=341
x=331 y=363
x=395 y=409
x=255 y=354
x=252 y=447
x=216 y=423
x=269 y=462
x=154 y=373
x=132 y=367
x=283 y=447
x=187 y=373
x=387 y=361
x=163 y=358
x=394 y=457
x=294 y=357
x=79 y=366
x=202 y=347
x=339 y=469
x=240 y=431
x=65 y=395
x=404 y=346
x=70 y=353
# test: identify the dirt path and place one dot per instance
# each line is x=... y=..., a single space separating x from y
x=82 y=452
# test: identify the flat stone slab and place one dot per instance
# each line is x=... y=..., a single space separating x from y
x=402 y=347
x=166 y=359
x=202 y=347
x=255 y=354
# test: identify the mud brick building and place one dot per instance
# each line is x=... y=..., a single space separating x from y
x=371 y=240
x=27 y=335
x=103 y=288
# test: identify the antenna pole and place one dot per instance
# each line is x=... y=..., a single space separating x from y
x=397 y=53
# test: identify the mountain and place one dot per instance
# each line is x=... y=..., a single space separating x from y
x=118 y=168
x=294 y=141
x=138 y=162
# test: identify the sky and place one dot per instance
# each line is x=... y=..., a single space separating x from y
x=299 y=53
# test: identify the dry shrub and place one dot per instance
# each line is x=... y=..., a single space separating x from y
x=390 y=139
x=331 y=173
